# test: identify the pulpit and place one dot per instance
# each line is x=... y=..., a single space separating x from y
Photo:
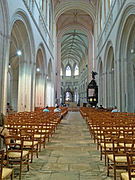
x=92 y=91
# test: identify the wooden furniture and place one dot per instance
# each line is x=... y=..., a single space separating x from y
x=130 y=174
x=29 y=143
x=16 y=155
x=118 y=159
x=5 y=172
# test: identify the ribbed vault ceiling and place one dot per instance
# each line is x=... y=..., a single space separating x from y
x=76 y=23
x=93 y=2
x=74 y=46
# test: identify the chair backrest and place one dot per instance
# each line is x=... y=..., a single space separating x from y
x=14 y=144
x=122 y=145
x=131 y=165
x=1 y=162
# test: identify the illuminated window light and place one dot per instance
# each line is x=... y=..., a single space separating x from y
x=19 y=52
x=132 y=51
x=38 y=70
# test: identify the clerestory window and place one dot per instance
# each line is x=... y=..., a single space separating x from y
x=68 y=71
x=76 y=72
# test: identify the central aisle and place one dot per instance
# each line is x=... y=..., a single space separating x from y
x=70 y=155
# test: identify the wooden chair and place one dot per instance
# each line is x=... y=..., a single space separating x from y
x=40 y=135
x=118 y=159
x=15 y=153
x=5 y=172
x=29 y=143
x=130 y=174
x=106 y=144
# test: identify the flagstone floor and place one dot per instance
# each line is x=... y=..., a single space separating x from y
x=70 y=155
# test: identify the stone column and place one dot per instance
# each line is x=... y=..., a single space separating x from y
x=123 y=94
x=129 y=84
x=48 y=92
x=103 y=17
x=105 y=88
x=90 y=58
x=22 y=86
x=44 y=82
x=47 y=22
x=4 y=59
x=14 y=90
x=33 y=95
x=58 y=69
x=107 y=7
x=28 y=86
x=109 y=87
x=115 y=82
x=118 y=83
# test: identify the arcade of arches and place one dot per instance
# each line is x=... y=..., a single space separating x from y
x=61 y=43
x=48 y=51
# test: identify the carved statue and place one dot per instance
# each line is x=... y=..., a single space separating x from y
x=93 y=74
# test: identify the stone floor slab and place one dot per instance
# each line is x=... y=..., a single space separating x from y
x=70 y=155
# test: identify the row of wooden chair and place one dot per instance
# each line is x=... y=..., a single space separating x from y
x=27 y=135
x=115 y=139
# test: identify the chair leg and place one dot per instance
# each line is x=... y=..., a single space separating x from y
x=105 y=158
x=100 y=152
x=31 y=155
x=28 y=162
x=12 y=175
x=107 y=167
x=40 y=147
x=44 y=142
x=20 y=173
x=120 y=177
x=114 y=172
x=37 y=151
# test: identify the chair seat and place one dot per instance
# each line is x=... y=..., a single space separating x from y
x=45 y=131
x=46 y=126
x=126 y=145
x=125 y=176
x=28 y=143
x=118 y=159
x=39 y=135
x=6 y=172
x=17 y=154
x=100 y=137
x=108 y=145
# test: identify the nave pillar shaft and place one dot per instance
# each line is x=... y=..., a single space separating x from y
x=28 y=87
x=33 y=85
x=24 y=86
x=123 y=82
x=47 y=13
x=4 y=42
x=105 y=89
x=58 y=70
x=118 y=84
x=90 y=56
